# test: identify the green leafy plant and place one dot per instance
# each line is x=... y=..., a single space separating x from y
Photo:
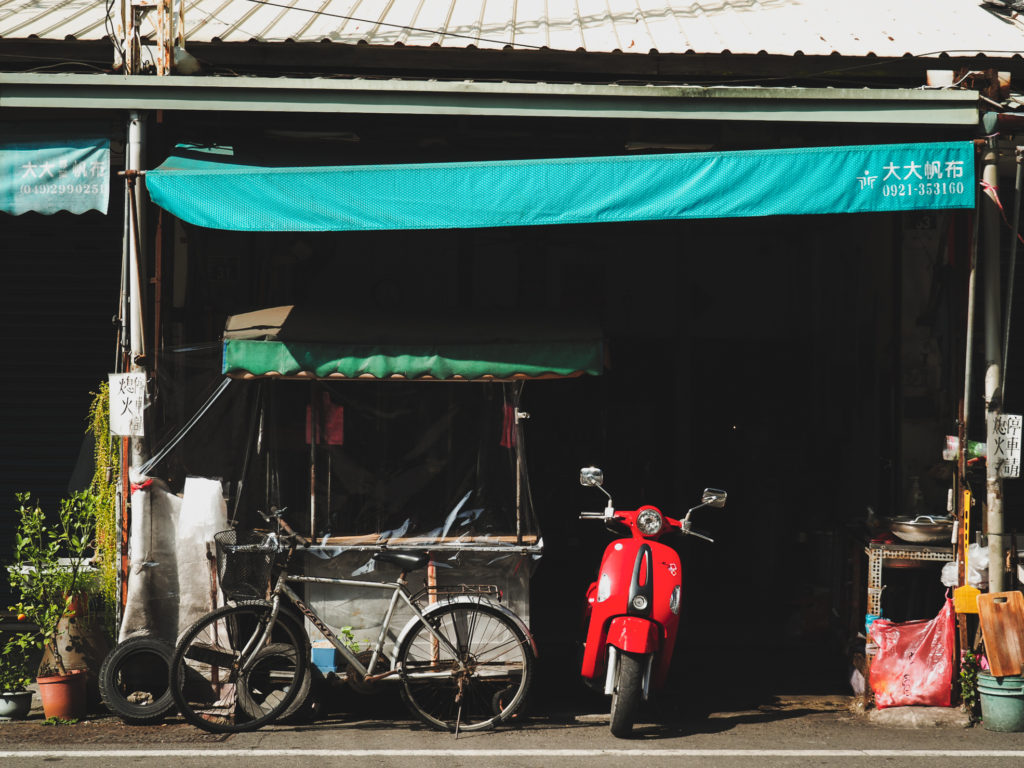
x=59 y=721
x=47 y=575
x=348 y=637
x=969 y=697
x=15 y=660
x=106 y=472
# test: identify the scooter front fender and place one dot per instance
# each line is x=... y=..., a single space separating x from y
x=634 y=634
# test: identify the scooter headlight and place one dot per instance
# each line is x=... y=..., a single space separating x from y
x=649 y=522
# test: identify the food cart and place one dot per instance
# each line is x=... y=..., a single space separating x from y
x=399 y=433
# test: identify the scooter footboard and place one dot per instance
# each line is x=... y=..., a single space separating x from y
x=634 y=634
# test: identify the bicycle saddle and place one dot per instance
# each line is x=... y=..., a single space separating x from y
x=409 y=561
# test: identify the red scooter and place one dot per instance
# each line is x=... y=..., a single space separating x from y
x=632 y=610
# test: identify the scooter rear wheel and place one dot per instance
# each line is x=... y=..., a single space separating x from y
x=626 y=696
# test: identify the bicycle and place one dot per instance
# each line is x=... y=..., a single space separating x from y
x=465 y=662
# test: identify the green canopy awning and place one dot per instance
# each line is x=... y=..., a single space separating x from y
x=297 y=342
x=216 y=189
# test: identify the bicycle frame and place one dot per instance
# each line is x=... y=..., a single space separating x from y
x=398 y=590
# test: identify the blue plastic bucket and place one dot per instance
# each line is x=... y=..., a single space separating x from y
x=1002 y=702
x=325 y=659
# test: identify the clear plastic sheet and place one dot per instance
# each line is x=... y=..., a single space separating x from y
x=362 y=610
x=353 y=462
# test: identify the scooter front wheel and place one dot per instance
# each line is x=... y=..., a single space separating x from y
x=626 y=696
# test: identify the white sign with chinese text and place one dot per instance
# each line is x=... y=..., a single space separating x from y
x=1004 y=444
x=127 y=401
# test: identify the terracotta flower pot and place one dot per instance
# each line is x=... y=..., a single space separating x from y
x=15 y=705
x=83 y=645
x=63 y=696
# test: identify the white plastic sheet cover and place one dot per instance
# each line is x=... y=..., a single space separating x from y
x=151 y=606
x=170 y=582
x=203 y=513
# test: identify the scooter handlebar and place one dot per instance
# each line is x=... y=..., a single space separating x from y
x=592 y=515
x=687 y=530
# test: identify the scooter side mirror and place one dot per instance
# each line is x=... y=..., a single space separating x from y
x=714 y=497
x=591 y=476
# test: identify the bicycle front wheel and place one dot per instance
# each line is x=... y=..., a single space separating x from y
x=228 y=674
x=477 y=678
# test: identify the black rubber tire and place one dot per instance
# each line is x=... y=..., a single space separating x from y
x=298 y=708
x=204 y=671
x=628 y=690
x=445 y=699
x=133 y=680
x=312 y=706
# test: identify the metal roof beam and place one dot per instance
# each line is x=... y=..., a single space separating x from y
x=431 y=97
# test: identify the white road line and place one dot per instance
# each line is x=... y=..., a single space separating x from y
x=134 y=754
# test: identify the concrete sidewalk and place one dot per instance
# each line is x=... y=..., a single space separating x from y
x=104 y=728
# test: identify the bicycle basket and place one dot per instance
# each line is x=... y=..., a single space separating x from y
x=244 y=563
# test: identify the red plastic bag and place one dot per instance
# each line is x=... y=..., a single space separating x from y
x=914 y=665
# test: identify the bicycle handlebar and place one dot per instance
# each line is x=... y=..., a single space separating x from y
x=288 y=532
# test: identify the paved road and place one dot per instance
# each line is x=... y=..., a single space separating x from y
x=818 y=731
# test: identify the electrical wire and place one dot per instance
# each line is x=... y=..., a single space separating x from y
x=397 y=26
x=170 y=444
x=61 y=63
x=108 y=25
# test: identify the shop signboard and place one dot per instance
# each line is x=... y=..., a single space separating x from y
x=50 y=175
x=221 y=190
x=127 y=401
x=1004 y=444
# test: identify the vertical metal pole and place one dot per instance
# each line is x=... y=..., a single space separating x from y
x=131 y=335
x=519 y=493
x=965 y=409
x=135 y=251
x=123 y=342
x=314 y=422
x=131 y=17
x=993 y=363
x=1018 y=187
x=134 y=163
x=157 y=282
x=164 y=37
x=125 y=493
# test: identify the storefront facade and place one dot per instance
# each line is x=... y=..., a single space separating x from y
x=754 y=316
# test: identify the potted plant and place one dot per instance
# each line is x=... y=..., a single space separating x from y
x=48 y=579
x=15 y=675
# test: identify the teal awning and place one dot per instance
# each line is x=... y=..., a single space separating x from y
x=303 y=342
x=212 y=188
x=47 y=175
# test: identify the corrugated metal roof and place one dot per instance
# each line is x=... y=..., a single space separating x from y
x=885 y=28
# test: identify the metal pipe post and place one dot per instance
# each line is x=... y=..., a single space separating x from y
x=993 y=363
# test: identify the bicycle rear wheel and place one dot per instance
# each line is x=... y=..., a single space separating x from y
x=484 y=682
x=222 y=678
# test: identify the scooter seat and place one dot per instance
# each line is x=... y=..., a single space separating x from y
x=408 y=561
